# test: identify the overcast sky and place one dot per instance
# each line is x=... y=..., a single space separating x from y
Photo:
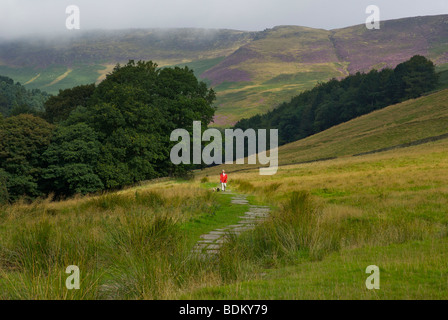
x=23 y=17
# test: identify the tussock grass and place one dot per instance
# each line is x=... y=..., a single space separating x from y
x=128 y=245
x=243 y=185
x=327 y=208
x=204 y=180
x=295 y=230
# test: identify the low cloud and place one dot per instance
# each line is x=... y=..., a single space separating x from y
x=47 y=17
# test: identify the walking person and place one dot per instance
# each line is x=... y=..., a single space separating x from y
x=223 y=180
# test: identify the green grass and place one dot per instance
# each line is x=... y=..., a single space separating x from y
x=80 y=75
x=442 y=67
x=415 y=270
x=133 y=244
x=21 y=75
x=224 y=214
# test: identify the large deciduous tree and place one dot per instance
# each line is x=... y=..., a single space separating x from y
x=131 y=115
x=58 y=108
x=23 y=140
x=71 y=161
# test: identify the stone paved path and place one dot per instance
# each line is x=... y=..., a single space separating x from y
x=211 y=242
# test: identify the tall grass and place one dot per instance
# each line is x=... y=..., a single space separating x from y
x=302 y=229
x=295 y=230
x=136 y=243
x=128 y=245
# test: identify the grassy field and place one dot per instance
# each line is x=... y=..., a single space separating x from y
x=388 y=209
x=408 y=271
x=134 y=244
x=330 y=220
x=54 y=78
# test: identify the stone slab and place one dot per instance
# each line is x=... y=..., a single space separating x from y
x=210 y=236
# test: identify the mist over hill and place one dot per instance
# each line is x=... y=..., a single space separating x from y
x=252 y=72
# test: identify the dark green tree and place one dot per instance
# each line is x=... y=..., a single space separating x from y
x=416 y=77
x=58 y=108
x=133 y=111
x=107 y=136
x=15 y=96
x=23 y=139
x=71 y=160
x=4 y=195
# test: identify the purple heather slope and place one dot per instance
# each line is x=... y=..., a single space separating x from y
x=362 y=49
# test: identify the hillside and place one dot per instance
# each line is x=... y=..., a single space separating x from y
x=398 y=124
x=338 y=101
x=285 y=60
x=252 y=72
x=402 y=123
x=60 y=63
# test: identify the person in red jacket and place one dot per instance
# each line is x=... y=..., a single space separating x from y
x=223 y=180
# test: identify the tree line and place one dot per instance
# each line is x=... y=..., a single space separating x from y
x=16 y=99
x=106 y=136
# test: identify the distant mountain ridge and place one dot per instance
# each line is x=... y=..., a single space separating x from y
x=356 y=47
x=252 y=72
x=112 y=46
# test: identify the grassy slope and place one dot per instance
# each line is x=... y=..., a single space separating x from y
x=55 y=77
x=389 y=208
x=282 y=62
x=395 y=42
x=402 y=123
x=410 y=271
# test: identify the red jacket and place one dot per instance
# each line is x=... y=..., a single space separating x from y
x=223 y=178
